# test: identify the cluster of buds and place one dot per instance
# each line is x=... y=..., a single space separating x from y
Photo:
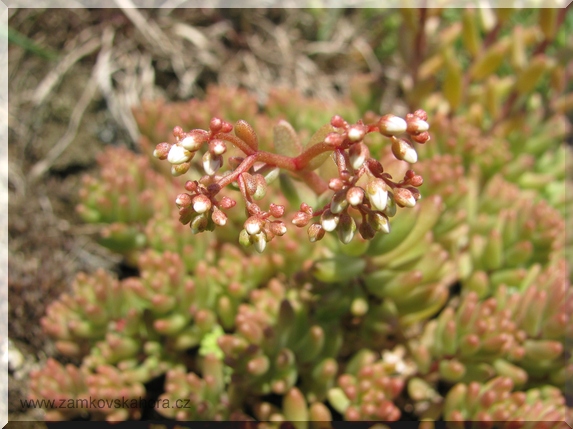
x=362 y=185
x=367 y=389
x=259 y=230
x=493 y=404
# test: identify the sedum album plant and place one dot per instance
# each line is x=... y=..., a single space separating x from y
x=295 y=266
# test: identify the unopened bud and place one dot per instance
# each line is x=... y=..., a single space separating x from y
x=346 y=228
x=377 y=191
x=201 y=203
x=421 y=114
x=390 y=125
x=215 y=125
x=260 y=187
x=217 y=147
x=333 y=139
x=338 y=202
x=227 y=203
x=276 y=210
x=191 y=142
x=161 y=151
x=421 y=138
x=199 y=223
x=336 y=184
x=338 y=122
x=329 y=221
x=403 y=151
x=415 y=124
x=278 y=227
x=379 y=222
x=178 y=155
x=355 y=196
x=183 y=200
x=367 y=232
x=253 y=225
x=315 y=232
x=260 y=242
x=301 y=219
x=357 y=154
x=404 y=198
x=179 y=169
x=245 y=238
x=211 y=163
x=218 y=217
x=356 y=133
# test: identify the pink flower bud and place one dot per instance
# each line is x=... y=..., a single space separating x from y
x=227 y=203
x=215 y=125
x=404 y=197
x=333 y=139
x=301 y=219
x=355 y=196
x=421 y=114
x=276 y=210
x=416 y=125
x=338 y=122
x=183 y=200
x=421 y=138
x=161 y=151
x=278 y=227
x=336 y=184
x=226 y=127
x=217 y=147
x=218 y=217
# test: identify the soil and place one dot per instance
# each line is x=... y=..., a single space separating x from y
x=174 y=55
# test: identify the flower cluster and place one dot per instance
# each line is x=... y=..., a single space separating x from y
x=361 y=185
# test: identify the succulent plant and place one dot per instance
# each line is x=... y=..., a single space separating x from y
x=294 y=267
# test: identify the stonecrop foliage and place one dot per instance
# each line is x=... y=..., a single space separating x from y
x=456 y=307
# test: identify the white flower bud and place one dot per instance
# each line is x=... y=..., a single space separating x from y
x=356 y=133
x=191 y=143
x=253 y=225
x=329 y=221
x=403 y=151
x=178 y=155
x=260 y=242
x=390 y=125
x=201 y=203
x=211 y=163
x=377 y=194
